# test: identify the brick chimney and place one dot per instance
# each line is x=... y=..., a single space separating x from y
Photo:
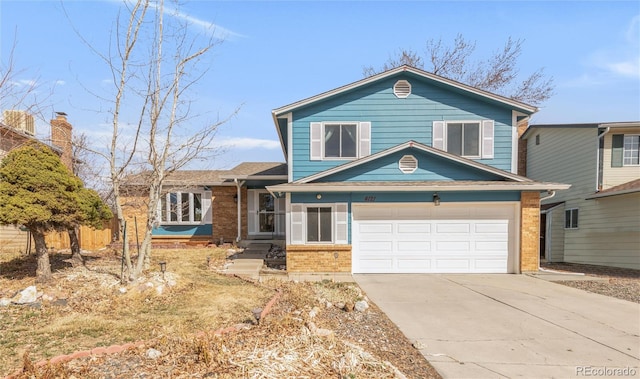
x=522 y=147
x=61 y=138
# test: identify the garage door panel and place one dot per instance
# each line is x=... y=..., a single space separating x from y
x=410 y=228
x=372 y=265
x=376 y=228
x=491 y=227
x=462 y=247
x=489 y=265
x=461 y=228
x=415 y=246
x=489 y=246
x=409 y=265
x=422 y=238
x=452 y=265
x=369 y=247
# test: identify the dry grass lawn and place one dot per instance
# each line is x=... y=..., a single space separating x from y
x=84 y=308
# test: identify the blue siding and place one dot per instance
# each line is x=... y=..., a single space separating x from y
x=430 y=167
x=183 y=230
x=405 y=197
x=394 y=121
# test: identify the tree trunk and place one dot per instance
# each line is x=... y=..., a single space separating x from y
x=43 y=271
x=76 y=258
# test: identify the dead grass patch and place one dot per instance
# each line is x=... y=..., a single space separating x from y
x=98 y=314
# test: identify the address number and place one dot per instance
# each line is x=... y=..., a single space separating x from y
x=370 y=199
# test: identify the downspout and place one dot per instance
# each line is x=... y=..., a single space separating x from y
x=550 y=194
x=239 y=204
x=600 y=136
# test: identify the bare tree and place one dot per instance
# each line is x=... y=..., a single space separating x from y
x=498 y=74
x=154 y=62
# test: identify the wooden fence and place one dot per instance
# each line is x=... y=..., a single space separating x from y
x=14 y=239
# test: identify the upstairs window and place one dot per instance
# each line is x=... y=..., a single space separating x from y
x=339 y=140
x=469 y=139
x=464 y=139
x=631 y=150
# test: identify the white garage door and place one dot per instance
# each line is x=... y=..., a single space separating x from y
x=423 y=238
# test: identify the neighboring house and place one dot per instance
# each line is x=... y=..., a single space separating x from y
x=211 y=206
x=17 y=128
x=407 y=172
x=597 y=221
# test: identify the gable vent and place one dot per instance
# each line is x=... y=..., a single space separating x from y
x=408 y=164
x=402 y=89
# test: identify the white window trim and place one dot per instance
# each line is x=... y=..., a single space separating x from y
x=446 y=131
x=167 y=216
x=357 y=142
x=317 y=143
x=306 y=207
x=623 y=151
x=570 y=210
x=482 y=138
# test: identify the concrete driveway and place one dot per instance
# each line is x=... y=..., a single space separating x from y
x=494 y=326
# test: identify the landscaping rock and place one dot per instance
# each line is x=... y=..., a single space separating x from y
x=153 y=353
x=26 y=296
x=314 y=312
x=340 y=305
x=61 y=303
x=348 y=306
x=122 y=290
x=4 y=302
x=361 y=306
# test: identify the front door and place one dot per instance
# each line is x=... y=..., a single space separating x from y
x=264 y=213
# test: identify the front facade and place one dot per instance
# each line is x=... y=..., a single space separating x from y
x=407 y=172
x=597 y=220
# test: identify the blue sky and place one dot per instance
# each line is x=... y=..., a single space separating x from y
x=278 y=52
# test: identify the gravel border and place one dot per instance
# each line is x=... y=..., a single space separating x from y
x=621 y=283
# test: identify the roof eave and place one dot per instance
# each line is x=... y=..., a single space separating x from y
x=522 y=107
x=616 y=193
x=342 y=187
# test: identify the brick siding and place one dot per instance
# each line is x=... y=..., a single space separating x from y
x=522 y=148
x=225 y=213
x=529 y=231
x=318 y=258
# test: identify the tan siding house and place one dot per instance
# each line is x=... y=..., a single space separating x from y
x=597 y=220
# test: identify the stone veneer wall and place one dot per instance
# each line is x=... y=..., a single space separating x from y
x=318 y=258
x=529 y=231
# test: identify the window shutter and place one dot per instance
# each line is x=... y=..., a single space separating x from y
x=617 y=148
x=487 y=139
x=364 y=136
x=342 y=227
x=297 y=224
x=207 y=210
x=315 y=147
x=437 y=135
x=252 y=211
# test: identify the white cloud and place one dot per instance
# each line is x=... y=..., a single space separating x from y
x=218 y=31
x=245 y=143
x=60 y=82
